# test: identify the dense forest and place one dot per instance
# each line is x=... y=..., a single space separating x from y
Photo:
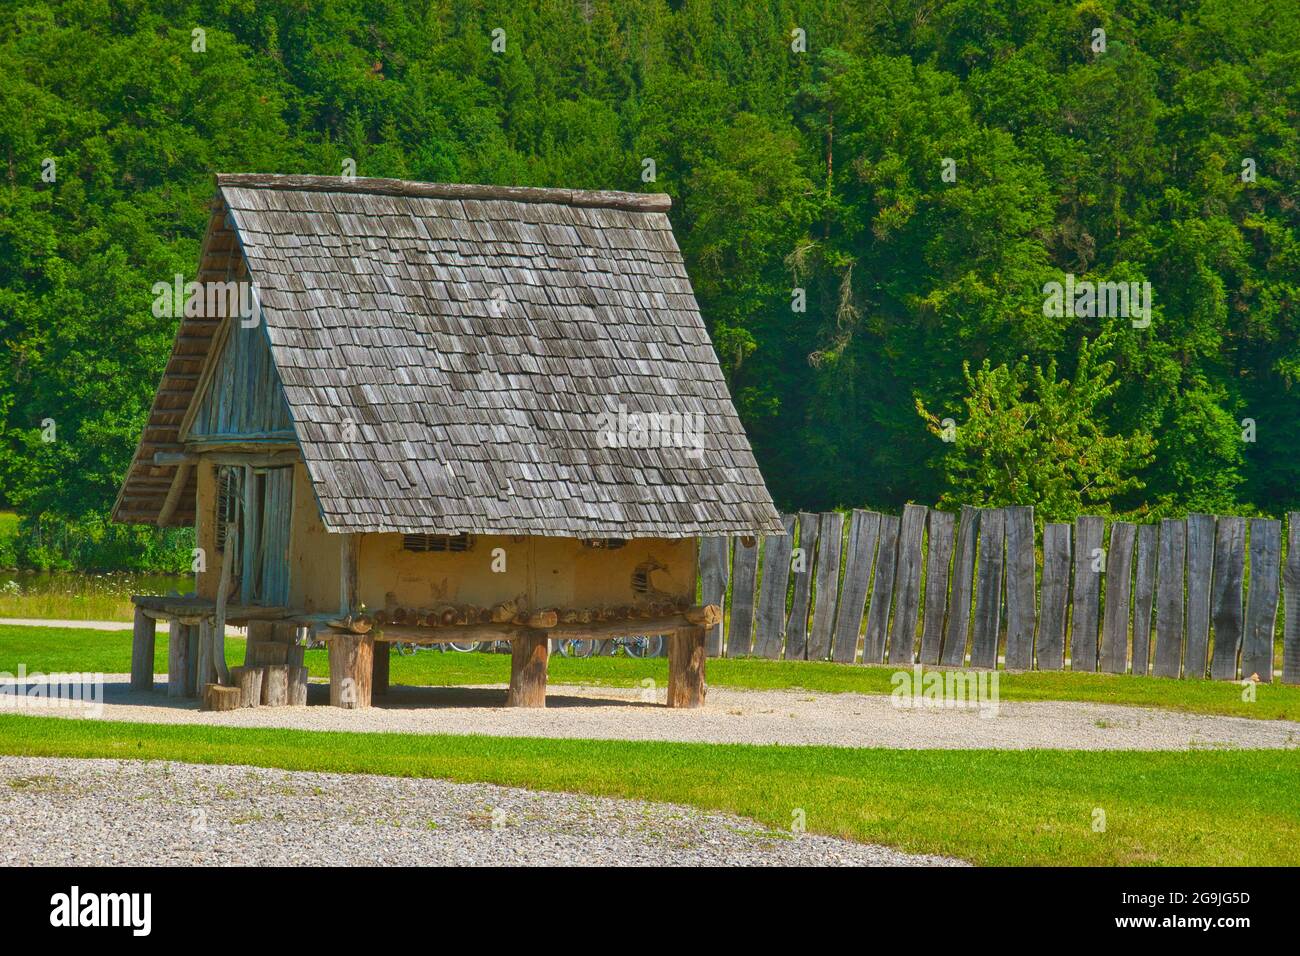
x=873 y=199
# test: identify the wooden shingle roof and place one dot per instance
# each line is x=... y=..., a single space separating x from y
x=447 y=353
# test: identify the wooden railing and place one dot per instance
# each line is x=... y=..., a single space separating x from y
x=1191 y=597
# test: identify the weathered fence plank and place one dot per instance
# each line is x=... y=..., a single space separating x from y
x=1261 y=598
x=938 y=560
x=988 y=590
x=959 y=599
x=744 y=574
x=1169 y=598
x=1200 y=566
x=1085 y=606
x=713 y=586
x=1119 y=591
x=1144 y=596
x=864 y=530
x=1229 y=572
x=1291 y=621
x=830 y=540
x=882 y=591
x=796 y=629
x=1021 y=589
x=907 y=586
x=770 y=617
x=1055 y=596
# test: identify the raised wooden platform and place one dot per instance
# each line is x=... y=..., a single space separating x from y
x=191 y=610
x=359 y=661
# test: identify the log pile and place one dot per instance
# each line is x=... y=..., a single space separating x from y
x=273 y=674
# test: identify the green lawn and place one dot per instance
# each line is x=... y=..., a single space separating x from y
x=990 y=807
x=63 y=649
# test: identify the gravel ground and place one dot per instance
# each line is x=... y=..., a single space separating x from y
x=732 y=716
x=120 y=812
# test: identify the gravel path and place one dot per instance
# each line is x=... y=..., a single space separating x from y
x=732 y=716
x=120 y=812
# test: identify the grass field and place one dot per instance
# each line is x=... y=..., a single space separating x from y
x=69 y=649
x=989 y=807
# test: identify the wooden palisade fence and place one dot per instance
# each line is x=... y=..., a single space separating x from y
x=1191 y=597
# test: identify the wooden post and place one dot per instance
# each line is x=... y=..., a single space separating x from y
x=713 y=582
x=864 y=531
x=907 y=586
x=275 y=685
x=1119 y=592
x=528 y=659
x=178 y=658
x=1200 y=569
x=882 y=589
x=796 y=628
x=830 y=538
x=1089 y=559
x=963 y=569
x=379 y=679
x=770 y=631
x=1261 y=598
x=297 y=685
x=348 y=553
x=1229 y=572
x=988 y=590
x=1168 y=660
x=744 y=575
x=938 y=561
x=142 y=651
x=351 y=668
x=1054 y=596
x=1144 y=596
x=249 y=571
x=1021 y=612
x=192 y=685
x=1291 y=611
x=217 y=635
x=686 y=667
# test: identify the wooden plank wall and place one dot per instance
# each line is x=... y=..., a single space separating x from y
x=986 y=589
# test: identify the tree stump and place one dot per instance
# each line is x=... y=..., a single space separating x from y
x=259 y=632
x=297 y=686
x=528 y=659
x=686 y=667
x=249 y=682
x=275 y=685
x=284 y=632
x=268 y=652
x=142 y=651
x=178 y=658
x=351 y=669
x=216 y=697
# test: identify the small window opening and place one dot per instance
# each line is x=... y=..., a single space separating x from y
x=453 y=543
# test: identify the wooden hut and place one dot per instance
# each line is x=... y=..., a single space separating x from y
x=444 y=413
